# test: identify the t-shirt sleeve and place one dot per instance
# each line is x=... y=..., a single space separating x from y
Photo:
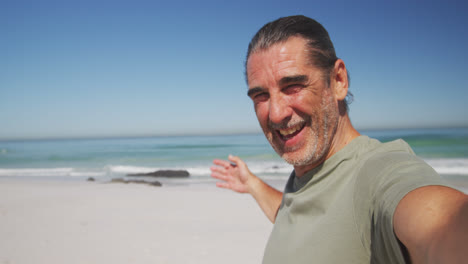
x=389 y=177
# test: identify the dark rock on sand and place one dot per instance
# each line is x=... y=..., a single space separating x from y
x=164 y=173
x=121 y=180
x=155 y=183
x=91 y=179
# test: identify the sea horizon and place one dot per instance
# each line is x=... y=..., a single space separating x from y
x=252 y=132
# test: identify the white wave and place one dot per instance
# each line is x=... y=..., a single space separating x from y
x=449 y=166
x=271 y=168
x=274 y=169
x=199 y=171
x=281 y=168
x=37 y=172
x=88 y=174
x=123 y=169
x=204 y=170
x=51 y=172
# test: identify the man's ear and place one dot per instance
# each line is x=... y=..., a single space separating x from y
x=340 y=80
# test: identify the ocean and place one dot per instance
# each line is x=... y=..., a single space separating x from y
x=446 y=150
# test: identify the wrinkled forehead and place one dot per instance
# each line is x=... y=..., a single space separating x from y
x=279 y=60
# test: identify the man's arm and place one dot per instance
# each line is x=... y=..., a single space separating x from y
x=432 y=223
x=236 y=176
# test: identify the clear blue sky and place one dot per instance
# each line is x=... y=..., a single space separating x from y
x=121 y=68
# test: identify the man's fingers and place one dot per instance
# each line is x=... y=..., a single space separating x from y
x=222 y=163
x=221 y=170
x=224 y=185
x=219 y=176
x=234 y=159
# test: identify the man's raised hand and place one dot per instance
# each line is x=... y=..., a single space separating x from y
x=234 y=174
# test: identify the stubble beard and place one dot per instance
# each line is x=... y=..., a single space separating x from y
x=319 y=135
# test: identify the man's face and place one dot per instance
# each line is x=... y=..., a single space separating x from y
x=294 y=105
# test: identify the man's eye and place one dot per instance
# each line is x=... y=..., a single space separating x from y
x=260 y=97
x=291 y=89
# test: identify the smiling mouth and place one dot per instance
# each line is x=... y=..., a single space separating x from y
x=290 y=132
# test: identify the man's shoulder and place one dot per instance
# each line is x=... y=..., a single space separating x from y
x=388 y=161
x=371 y=146
x=389 y=154
x=370 y=151
x=393 y=166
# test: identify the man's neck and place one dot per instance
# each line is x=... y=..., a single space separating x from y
x=344 y=134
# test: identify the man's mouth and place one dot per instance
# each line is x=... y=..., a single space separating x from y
x=290 y=132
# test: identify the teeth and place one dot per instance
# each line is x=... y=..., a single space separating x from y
x=289 y=131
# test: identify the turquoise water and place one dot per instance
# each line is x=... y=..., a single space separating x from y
x=445 y=149
x=430 y=143
x=120 y=156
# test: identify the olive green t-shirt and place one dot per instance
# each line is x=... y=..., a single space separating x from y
x=342 y=211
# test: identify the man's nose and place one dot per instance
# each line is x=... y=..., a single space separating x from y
x=279 y=109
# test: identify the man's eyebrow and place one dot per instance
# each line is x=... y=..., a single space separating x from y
x=293 y=79
x=254 y=90
x=284 y=81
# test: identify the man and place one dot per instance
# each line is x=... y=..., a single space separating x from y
x=350 y=199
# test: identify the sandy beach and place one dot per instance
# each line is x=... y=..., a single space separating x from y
x=91 y=222
x=70 y=221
